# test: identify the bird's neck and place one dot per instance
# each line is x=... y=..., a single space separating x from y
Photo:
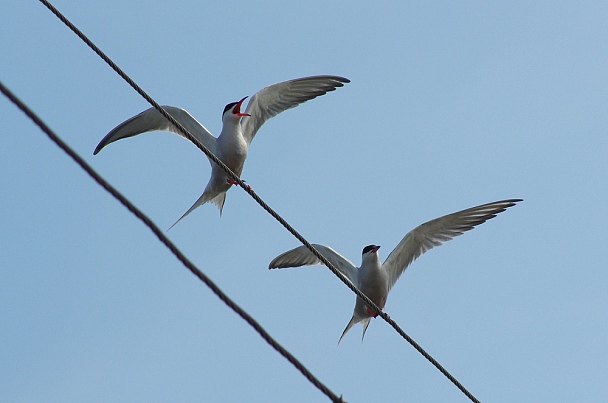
x=231 y=128
x=372 y=262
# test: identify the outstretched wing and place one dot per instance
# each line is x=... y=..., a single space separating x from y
x=436 y=232
x=276 y=98
x=301 y=256
x=151 y=120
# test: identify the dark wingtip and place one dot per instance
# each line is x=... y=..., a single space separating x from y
x=104 y=142
x=340 y=81
x=99 y=147
x=338 y=78
x=513 y=202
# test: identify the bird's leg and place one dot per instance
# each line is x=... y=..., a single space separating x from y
x=373 y=314
x=230 y=181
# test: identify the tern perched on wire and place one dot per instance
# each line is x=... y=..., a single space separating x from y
x=238 y=130
x=375 y=279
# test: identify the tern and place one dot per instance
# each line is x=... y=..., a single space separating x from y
x=376 y=279
x=238 y=130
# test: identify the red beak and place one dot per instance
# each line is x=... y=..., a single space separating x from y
x=237 y=108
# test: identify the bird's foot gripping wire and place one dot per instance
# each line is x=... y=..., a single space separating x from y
x=373 y=314
x=230 y=181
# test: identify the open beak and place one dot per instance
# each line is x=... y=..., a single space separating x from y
x=237 y=108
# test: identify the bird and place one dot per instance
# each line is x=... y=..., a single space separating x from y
x=375 y=279
x=238 y=130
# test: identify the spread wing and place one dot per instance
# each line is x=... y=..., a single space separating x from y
x=301 y=256
x=151 y=120
x=436 y=232
x=276 y=98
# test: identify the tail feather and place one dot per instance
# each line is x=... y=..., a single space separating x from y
x=217 y=199
x=353 y=322
x=365 y=324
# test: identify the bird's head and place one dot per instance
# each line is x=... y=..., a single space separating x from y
x=233 y=110
x=370 y=251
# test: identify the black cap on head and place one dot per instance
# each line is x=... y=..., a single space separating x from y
x=229 y=106
x=369 y=248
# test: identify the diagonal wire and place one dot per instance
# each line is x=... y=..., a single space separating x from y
x=163 y=238
x=261 y=202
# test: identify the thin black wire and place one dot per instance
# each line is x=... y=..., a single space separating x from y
x=163 y=238
x=263 y=204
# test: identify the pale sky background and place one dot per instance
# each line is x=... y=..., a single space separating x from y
x=450 y=106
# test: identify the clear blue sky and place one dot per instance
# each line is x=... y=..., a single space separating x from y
x=450 y=106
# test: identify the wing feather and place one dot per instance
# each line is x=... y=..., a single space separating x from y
x=151 y=120
x=276 y=98
x=301 y=256
x=435 y=232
